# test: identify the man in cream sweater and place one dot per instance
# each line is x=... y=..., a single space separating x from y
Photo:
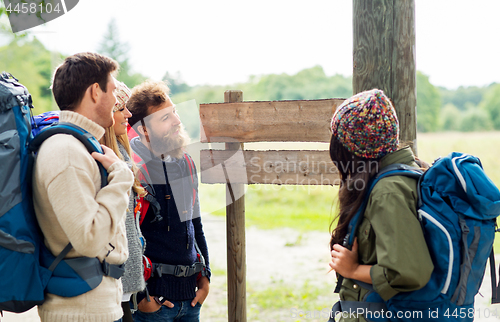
x=69 y=202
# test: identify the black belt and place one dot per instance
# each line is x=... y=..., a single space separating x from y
x=178 y=270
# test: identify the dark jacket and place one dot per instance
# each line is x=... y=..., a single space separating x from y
x=171 y=235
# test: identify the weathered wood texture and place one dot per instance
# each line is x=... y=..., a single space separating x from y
x=268 y=121
x=384 y=56
x=235 y=228
x=296 y=167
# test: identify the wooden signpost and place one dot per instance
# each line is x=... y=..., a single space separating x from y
x=235 y=123
x=384 y=57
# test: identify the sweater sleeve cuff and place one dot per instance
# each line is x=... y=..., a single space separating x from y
x=208 y=273
x=380 y=283
x=117 y=166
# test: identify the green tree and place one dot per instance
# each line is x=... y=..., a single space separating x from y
x=463 y=96
x=491 y=104
x=428 y=104
x=451 y=118
x=310 y=83
x=475 y=119
x=4 y=25
x=31 y=63
x=111 y=46
x=175 y=83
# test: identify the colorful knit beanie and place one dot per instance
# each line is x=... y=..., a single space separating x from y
x=366 y=125
x=122 y=93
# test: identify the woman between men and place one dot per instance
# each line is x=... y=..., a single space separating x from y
x=116 y=138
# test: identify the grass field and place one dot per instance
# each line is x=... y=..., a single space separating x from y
x=308 y=208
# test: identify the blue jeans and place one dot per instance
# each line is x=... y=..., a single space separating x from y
x=181 y=312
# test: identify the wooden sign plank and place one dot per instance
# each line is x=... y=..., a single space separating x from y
x=268 y=121
x=294 y=167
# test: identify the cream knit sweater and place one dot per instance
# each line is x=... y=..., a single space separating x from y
x=71 y=207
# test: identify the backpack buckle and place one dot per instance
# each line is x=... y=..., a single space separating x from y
x=8 y=77
x=105 y=267
x=181 y=271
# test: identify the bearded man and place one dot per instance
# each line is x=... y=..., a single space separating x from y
x=172 y=225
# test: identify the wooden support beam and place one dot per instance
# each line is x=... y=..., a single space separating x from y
x=295 y=167
x=385 y=58
x=236 y=244
x=267 y=121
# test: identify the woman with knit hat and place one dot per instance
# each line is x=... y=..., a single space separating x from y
x=389 y=252
x=116 y=138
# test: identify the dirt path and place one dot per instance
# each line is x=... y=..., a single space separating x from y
x=295 y=259
x=284 y=256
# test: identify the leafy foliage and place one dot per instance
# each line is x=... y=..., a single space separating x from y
x=428 y=104
x=476 y=119
x=491 y=104
x=4 y=24
x=462 y=96
x=32 y=64
x=310 y=83
x=475 y=108
x=175 y=83
x=111 y=46
x=451 y=118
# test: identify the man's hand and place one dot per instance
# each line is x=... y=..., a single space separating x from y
x=148 y=307
x=107 y=159
x=153 y=305
x=168 y=304
x=202 y=292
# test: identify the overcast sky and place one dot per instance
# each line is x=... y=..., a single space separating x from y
x=223 y=42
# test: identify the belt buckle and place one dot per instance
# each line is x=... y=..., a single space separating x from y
x=180 y=271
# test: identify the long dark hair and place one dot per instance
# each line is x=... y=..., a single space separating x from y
x=355 y=173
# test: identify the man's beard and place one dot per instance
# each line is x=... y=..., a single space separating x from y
x=170 y=144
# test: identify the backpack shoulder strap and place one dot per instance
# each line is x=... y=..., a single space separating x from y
x=191 y=166
x=495 y=288
x=396 y=169
x=87 y=139
x=149 y=200
x=192 y=171
x=143 y=202
x=143 y=172
x=399 y=169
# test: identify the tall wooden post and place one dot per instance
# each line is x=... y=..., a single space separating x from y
x=384 y=57
x=235 y=225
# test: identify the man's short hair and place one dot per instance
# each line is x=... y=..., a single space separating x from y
x=145 y=97
x=76 y=74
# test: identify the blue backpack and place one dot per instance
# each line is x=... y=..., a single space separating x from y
x=27 y=268
x=457 y=208
x=39 y=122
